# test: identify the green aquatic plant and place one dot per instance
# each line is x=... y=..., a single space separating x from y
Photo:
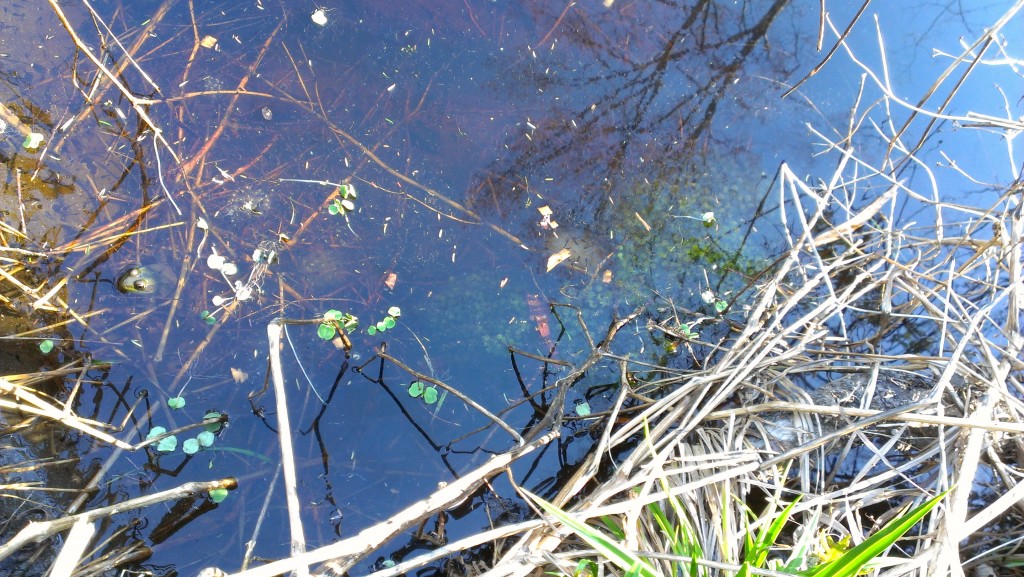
x=334 y=321
x=46 y=346
x=430 y=395
x=344 y=202
x=386 y=323
x=176 y=402
x=218 y=495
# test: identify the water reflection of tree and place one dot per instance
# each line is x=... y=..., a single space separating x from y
x=635 y=95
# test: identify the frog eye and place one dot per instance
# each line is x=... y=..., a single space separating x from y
x=140 y=285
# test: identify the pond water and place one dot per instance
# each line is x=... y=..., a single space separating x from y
x=505 y=156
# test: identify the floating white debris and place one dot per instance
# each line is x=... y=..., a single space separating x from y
x=319 y=17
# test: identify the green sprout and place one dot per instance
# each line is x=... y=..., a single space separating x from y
x=176 y=402
x=208 y=317
x=688 y=333
x=343 y=203
x=720 y=306
x=46 y=346
x=218 y=495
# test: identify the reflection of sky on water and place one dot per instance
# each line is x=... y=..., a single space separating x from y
x=619 y=120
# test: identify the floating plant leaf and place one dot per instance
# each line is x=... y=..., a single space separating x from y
x=206 y=438
x=395 y=312
x=389 y=322
x=32 y=140
x=46 y=346
x=215 y=261
x=155 y=432
x=333 y=208
x=325 y=331
x=720 y=306
x=382 y=326
x=218 y=495
x=167 y=444
x=371 y=330
x=333 y=315
x=430 y=395
x=583 y=409
x=213 y=427
x=176 y=402
x=416 y=389
x=190 y=446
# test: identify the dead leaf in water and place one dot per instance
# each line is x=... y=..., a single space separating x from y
x=239 y=375
x=557 y=258
x=391 y=280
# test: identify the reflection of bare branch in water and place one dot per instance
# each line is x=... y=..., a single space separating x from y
x=659 y=79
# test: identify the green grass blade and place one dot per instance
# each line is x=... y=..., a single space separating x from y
x=766 y=540
x=853 y=560
x=620 y=556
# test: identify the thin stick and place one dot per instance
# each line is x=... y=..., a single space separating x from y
x=284 y=430
x=39 y=530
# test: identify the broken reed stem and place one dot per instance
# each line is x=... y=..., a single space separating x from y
x=39 y=530
x=348 y=552
x=298 y=540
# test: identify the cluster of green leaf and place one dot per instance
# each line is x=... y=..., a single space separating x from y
x=430 y=395
x=386 y=323
x=334 y=321
x=191 y=446
x=344 y=202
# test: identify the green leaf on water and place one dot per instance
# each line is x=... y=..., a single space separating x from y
x=333 y=208
x=190 y=446
x=325 y=331
x=333 y=315
x=206 y=438
x=416 y=389
x=167 y=444
x=46 y=346
x=155 y=432
x=583 y=409
x=389 y=322
x=176 y=402
x=720 y=306
x=430 y=395
x=382 y=326
x=218 y=495
x=371 y=330
x=212 y=427
x=395 y=312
